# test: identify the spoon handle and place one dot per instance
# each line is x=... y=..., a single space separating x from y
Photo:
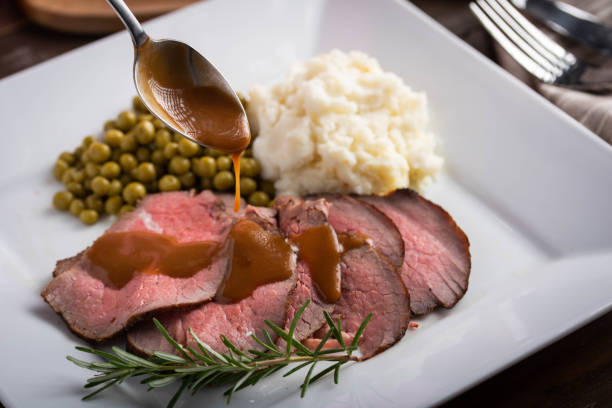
x=130 y=22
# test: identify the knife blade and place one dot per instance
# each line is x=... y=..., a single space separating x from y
x=570 y=21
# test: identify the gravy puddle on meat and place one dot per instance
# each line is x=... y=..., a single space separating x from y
x=351 y=241
x=122 y=254
x=205 y=113
x=259 y=257
x=319 y=250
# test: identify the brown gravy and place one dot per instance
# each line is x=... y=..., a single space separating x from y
x=351 y=241
x=123 y=254
x=259 y=257
x=318 y=249
x=205 y=113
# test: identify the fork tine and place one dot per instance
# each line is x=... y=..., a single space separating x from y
x=523 y=59
x=529 y=34
x=537 y=34
x=526 y=47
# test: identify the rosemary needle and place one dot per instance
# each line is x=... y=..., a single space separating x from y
x=236 y=368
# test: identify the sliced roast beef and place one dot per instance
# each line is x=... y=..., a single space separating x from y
x=351 y=216
x=296 y=216
x=371 y=284
x=437 y=258
x=95 y=309
x=236 y=321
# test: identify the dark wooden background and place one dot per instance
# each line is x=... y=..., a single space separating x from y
x=573 y=372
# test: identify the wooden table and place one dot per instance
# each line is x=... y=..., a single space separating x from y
x=573 y=372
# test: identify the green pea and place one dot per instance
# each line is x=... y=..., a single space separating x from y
x=170 y=150
x=78 y=175
x=224 y=163
x=92 y=169
x=110 y=170
x=188 y=148
x=268 y=187
x=93 y=202
x=60 y=168
x=113 y=204
x=187 y=179
x=223 y=180
x=67 y=175
x=99 y=152
x=158 y=158
x=87 y=184
x=110 y=124
x=62 y=199
x=213 y=152
x=144 y=132
x=247 y=185
x=179 y=165
x=128 y=162
x=259 y=198
x=145 y=172
x=177 y=137
x=205 y=166
x=113 y=137
x=87 y=141
x=138 y=105
x=100 y=185
x=76 y=188
x=128 y=143
x=169 y=182
x=126 y=120
x=249 y=167
x=143 y=154
x=76 y=206
x=162 y=138
x=68 y=157
x=115 y=187
x=145 y=116
x=158 y=124
x=89 y=217
x=125 y=209
x=134 y=192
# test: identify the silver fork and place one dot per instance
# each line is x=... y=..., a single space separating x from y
x=536 y=52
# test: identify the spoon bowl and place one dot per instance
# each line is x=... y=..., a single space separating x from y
x=184 y=90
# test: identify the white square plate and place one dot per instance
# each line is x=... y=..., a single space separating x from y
x=531 y=188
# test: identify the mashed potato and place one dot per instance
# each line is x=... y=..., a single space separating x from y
x=339 y=123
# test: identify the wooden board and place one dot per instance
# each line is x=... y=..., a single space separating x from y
x=92 y=16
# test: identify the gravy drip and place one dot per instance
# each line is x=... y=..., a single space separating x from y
x=259 y=257
x=236 y=160
x=121 y=255
x=318 y=248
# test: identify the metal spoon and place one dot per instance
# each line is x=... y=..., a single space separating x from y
x=185 y=68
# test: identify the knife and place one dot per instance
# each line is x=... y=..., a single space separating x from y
x=570 y=21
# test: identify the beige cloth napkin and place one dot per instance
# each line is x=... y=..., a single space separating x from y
x=593 y=111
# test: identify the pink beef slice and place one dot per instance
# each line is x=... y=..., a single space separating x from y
x=437 y=261
x=370 y=284
x=209 y=321
x=96 y=310
x=295 y=216
x=351 y=216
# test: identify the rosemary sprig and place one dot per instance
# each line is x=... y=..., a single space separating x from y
x=196 y=369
